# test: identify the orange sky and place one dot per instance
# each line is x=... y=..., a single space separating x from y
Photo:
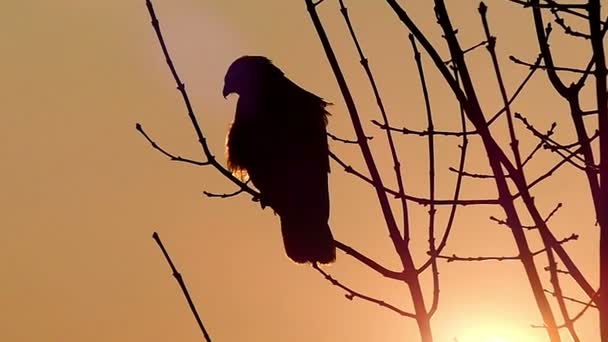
x=82 y=191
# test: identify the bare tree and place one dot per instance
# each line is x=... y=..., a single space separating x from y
x=507 y=160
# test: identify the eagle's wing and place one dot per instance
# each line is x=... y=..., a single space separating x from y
x=302 y=185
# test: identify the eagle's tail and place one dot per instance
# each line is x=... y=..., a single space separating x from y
x=307 y=241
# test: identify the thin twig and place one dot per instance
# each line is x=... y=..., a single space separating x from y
x=182 y=285
x=547 y=268
x=574 y=300
x=454 y=257
x=431 y=148
x=485 y=42
x=504 y=222
x=352 y=294
x=567 y=29
x=551 y=170
x=226 y=195
x=369 y=262
x=408 y=131
x=473 y=175
x=539 y=145
x=544 y=67
x=588 y=305
x=457 y=188
x=547 y=139
x=168 y=154
x=559 y=296
x=346 y=141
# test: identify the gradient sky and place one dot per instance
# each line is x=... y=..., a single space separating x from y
x=82 y=191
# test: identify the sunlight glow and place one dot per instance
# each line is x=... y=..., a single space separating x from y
x=492 y=333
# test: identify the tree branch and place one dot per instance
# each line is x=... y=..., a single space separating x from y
x=182 y=285
x=352 y=294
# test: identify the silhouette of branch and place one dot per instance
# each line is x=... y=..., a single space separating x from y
x=571 y=94
x=423 y=201
x=588 y=305
x=552 y=5
x=163 y=151
x=226 y=195
x=537 y=148
x=574 y=300
x=581 y=81
x=351 y=170
x=182 y=89
x=474 y=113
x=559 y=296
x=589 y=112
x=547 y=268
x=519 y=89
x=568 y=8
x=518 y=226
x=557 y=207
x=454 y=257
x=408 y=131
x=369 y=262
x=558 y=150
x=400 y=243
x=346 y=141
x=550 y=171
x=601 y=97
x=544 y=67
x=485 y=42
x=182 y=285
x=473 y=175
x=514 y=142
x=541 y=37
x=567 y=29
x=504 y=222
x=560 y=87
x=397 y=239
x=352 y=294
x=576 y=143
x=556 y=147
x=431 y=152
x=419 y=200
x=375 y=178
x=452 y=215
x=499 y=163
x=550 y=144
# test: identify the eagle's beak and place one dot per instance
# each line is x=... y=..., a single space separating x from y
x=226 y=91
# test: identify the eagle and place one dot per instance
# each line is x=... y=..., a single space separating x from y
x=279 y=141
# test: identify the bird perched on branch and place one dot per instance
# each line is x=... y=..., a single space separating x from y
x=278 y=139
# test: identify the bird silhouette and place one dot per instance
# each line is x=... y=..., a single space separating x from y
x=279 y=141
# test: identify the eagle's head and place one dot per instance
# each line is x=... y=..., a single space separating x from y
x=248 y=73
